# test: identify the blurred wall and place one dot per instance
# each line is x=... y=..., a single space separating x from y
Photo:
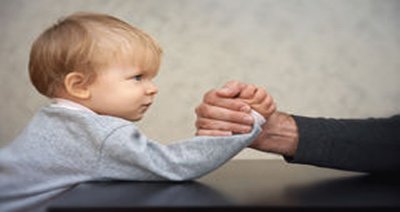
x=317 y=58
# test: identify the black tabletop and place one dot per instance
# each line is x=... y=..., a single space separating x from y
x=242 y=184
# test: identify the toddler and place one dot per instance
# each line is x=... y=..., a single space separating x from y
x=98 y=72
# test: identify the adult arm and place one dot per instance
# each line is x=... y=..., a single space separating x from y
x=368 y=145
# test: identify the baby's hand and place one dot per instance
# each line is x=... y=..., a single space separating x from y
x=259 y=100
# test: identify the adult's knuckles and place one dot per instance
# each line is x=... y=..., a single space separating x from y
x=203 y=110
x=209 y=95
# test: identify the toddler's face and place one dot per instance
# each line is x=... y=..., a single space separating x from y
x=123 y=91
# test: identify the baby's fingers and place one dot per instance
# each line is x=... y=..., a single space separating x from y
x=260 y=96
x=266 y=108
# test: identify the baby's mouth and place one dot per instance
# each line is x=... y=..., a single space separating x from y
x=147 y=104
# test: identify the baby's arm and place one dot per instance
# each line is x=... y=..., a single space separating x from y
x=129 y=155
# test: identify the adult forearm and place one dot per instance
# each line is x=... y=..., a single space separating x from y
x=280 y=135
x=369 y=145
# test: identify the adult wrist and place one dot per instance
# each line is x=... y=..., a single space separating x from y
x=280 y=135
x=288 y=134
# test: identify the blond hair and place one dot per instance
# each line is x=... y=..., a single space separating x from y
x=87 y=42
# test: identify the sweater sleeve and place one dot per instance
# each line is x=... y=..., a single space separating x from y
x=366 y=145
x=127 y=154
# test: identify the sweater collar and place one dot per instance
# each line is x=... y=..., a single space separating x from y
x=68 y=104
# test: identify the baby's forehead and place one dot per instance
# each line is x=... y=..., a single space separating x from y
x=135 y=64
x=142 y=57
x=128 y=45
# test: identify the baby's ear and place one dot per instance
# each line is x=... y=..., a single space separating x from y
x=76 y=86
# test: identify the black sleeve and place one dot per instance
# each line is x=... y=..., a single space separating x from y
x=366 y=145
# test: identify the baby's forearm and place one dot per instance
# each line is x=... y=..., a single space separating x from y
x=143 y=159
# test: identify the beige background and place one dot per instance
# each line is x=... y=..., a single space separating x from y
x=318 y=58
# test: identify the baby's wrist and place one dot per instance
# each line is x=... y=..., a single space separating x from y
x=258 y=118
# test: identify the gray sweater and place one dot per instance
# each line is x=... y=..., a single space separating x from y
x=61 y=148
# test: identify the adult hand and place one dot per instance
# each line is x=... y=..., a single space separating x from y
x=222 y=113
x=226 y=110
x=280 y=133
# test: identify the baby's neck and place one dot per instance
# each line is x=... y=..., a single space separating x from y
x=69 y=104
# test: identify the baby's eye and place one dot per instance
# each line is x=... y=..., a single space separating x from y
x=137 y=77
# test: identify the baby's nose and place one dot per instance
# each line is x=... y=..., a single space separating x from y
x=151 y=88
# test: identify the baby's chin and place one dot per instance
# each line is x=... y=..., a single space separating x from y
x=134 y=118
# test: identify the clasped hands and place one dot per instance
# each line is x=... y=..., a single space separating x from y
x=227 y=111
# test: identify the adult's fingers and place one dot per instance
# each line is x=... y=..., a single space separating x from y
x=231 y=89
x=211 y=98
x=212 y=124
x=219 y=113
x=248 y=92
x=202 y=132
